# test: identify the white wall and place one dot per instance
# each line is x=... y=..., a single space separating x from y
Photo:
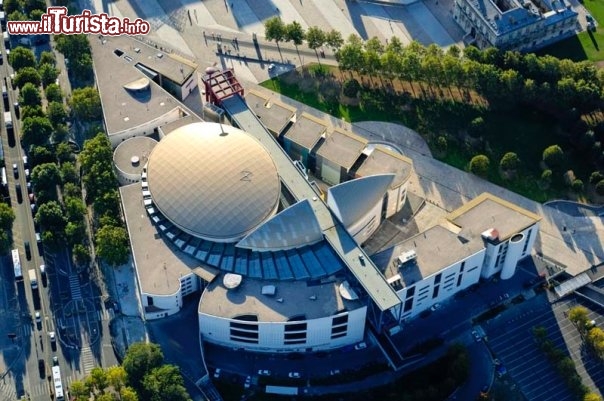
x=500 y=254
x=365 y=226
x=396 y=199
x=169 y=304
x=145 y=129
x=188 y=86
x=271 y=335
x=450 y=283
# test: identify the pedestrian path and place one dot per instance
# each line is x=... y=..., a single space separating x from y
x=7 y=389
x=39 y=389
x=74 y=284
x=87 y=359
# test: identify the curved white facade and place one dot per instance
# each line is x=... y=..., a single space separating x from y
x=513 y=255
x=319 y=334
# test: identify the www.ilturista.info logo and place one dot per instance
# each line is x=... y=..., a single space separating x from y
x=56 y=21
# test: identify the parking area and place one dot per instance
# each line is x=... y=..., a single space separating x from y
x=511 y=339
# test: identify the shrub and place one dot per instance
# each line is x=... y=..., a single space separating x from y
x=509 y=161
x=351 y=88
x=596 y=177
x=577 y=185
x=600 y=188
x=476 y=127
x=479 y=165
x=441 y=144
x=553 y=156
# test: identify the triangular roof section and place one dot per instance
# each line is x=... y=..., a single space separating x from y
x=351 y=200
x=294 y=227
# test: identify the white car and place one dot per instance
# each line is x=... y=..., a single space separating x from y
x=360 y=346
x=435 y=307
x=38 y=317
x=248 y=382
x=52 y=336
x=264 y=372
x=294 y=375
x=271 y=67
x=217 y=373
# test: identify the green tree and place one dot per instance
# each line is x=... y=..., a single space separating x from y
x=99 y=181
x=117 y=377
x=47 y=57
x=334 y=39
x=25 y=75
x=509 y=162
x=86 y=104
x=476 y=127
x=164 y=383
x=315 y=38
x=600 y=188
x=140 y=359
x=128 y=394
x=45 y=178
x=21 y=57
x=7 y=216
x=64 y=152
x=17 y=16
x=592 y=397
x=48 y=73
x=479 y=165
x=441 y=144
x=79 y=391
x=32 y=111
x=36 y=131
x=97 y=380
x=95 y=150
x=577 y=185
x=69 y=173
x=11 y=6
x=112 y=245
x=81 y=68
x=579 y=317
x=351 y=88
x=57 y=114
x=75 y=232
x=294 y=33
x=72 y=46
x=75 y=209
x=81 y=254
x=274 y=29
x=30 y=95
x=596 y=177
x=53 y=93
x=51 y=217
x=553 y=156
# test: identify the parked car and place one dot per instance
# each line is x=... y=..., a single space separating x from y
x=15 y=171
x=476 y=336
x=435 y=307
x=27 y=250
x=248 y=382
x=264 y=372
x=217 y=373
x=38 y=317
x=334 y=372
x=294 y=375
x=361 y=345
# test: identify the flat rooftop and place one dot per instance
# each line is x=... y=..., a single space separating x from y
x=436 y=248
x=292 y=299
x=273 y=114
x=306 y=131
x=340 y=240
x=124 y=109
x=151 y=250
x=342 y=148
x=181 y=122
x=383 y=161
x=489 y=211
x=139 y=147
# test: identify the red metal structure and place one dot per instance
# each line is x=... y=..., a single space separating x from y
x=220 y=85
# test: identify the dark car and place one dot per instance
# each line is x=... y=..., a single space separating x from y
x=15 y=171
x=42 y=368
x=19 y=193
x=27 y=250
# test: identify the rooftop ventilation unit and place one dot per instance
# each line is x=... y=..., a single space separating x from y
x=269 y=290
x=406 y=257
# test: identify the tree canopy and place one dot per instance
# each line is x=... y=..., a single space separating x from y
x=165 y=383
x=86 y=104
x=36 y=131
x=112 y=245
x=53 y=93
x=479 y=165
x=553 y=156
x=315 y=37
x=21 y=57
x=274 y=29
x=7 y=216
x=30 y=95
x=48 y=73
x=51 y=217
x=25 y=75
x=141 y=358
x=294 y=33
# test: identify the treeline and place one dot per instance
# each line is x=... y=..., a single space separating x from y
x=504 y=78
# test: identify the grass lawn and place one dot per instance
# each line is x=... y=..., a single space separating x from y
x=586 y=45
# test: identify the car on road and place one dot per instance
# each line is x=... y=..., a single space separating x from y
x=361 y=345
x=271 y=67
x=264 y=372
x=42 y=367
x=435 y=307
x=217 y=373
x=27 y=250
x=55 y=361
x=38 y=317
x=294 y=375
x=248 y=382
x=15 y=171
x=19 y=193
x=476 y=336
x=334 y=372
x=43 y=270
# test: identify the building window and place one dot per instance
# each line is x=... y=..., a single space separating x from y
x=338 y=320
x=340 y=329
x=408 y=305
x=244 y=334
x=340 y=335
x=472 y=269
x=528 y=239
x=295 y=327
x=437 y=278
x=150 y=301
x=435 y=292
x=463 y=265
x=410 y=292
x=459 y=279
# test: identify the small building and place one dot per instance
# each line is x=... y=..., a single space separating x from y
x=275 y=115
x=130 y=157
x=337 y=154
x=302 y=137
x=524 y=25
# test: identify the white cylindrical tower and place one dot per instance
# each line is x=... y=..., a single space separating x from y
x=512 y=256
